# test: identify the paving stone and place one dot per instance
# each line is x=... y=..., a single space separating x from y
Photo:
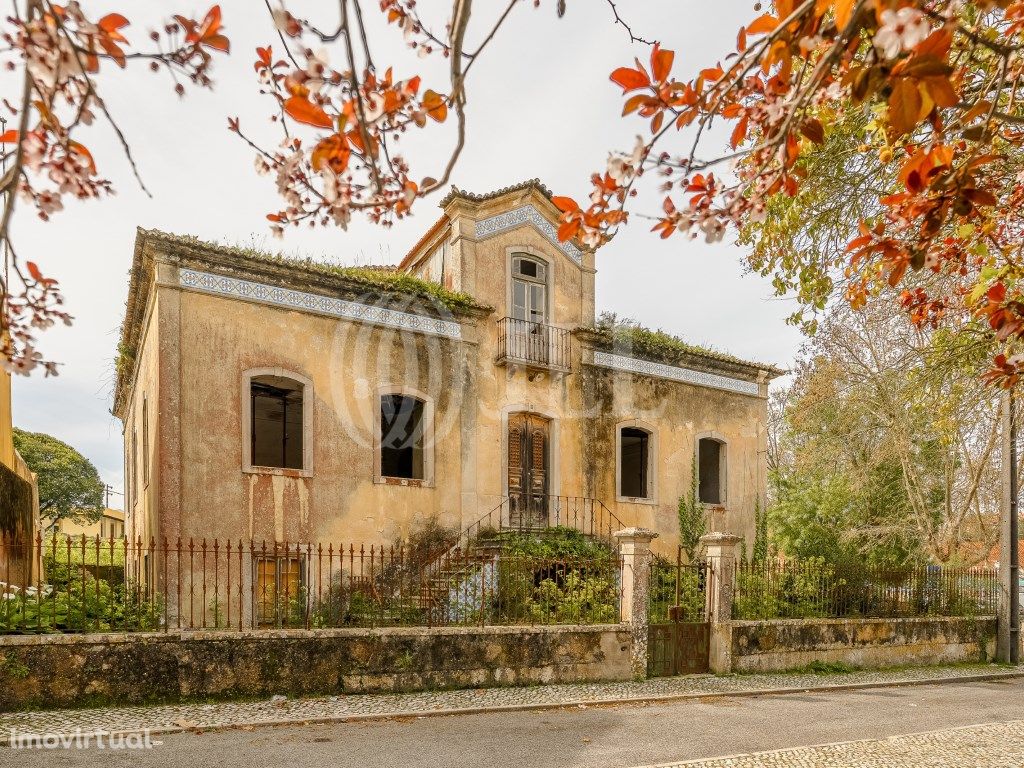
x=993 y=745
x=274 y=710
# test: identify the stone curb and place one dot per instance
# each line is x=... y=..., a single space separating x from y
x=548 y=706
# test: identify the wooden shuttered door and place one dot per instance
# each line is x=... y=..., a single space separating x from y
x=528 y=454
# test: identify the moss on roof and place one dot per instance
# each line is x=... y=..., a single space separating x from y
x=662 y=347
x=384 y=278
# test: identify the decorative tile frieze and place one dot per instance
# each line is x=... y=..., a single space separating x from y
x=685 y=375
x=311 y=302
x=526 y=214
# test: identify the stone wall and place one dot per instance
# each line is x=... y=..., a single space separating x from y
x=764 y=646
x=70 y=670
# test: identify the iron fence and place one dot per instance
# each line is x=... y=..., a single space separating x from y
x=679 y=591
x=87 y=584
x=816 y=589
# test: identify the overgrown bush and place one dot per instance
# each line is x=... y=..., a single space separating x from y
x=813 y=588
x=73 y=600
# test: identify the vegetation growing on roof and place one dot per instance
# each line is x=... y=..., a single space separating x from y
x=380 y=278
x=403 y=282
x=658 y=346
x=125 y=362
x=385 y=279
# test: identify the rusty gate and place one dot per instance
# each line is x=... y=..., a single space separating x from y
x=679 y=635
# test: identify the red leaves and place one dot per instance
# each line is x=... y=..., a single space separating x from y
x=565 y=204
x=78 y=149
x=207 y=33
x=332 y=152
x=304 y=111
x=9 y=137
x=661 y=63
x=40 y=279
x=630 y=79
x=712 y=74
x=923 y=165
x=111 y=23
x=739 y=133
x=843 y=10
x=435 y=105
x=264 y=58
x=813 y=130
x=905 y=106
x=763 y=25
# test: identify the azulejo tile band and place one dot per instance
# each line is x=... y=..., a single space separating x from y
x=526 y=214
x=311 y=302
x=687 y=375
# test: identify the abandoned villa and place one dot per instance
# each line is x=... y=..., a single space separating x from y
x=282 y=400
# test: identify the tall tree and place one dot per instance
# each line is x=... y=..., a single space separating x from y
x=889 y=444
x=69 y=485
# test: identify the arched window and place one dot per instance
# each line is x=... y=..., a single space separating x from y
x=278 y=407
x=402 y=437
x=529 y=289
x=635 y=462
x=711 y=456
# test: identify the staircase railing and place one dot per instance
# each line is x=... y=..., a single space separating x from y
x=519 y=513
x=579 y=513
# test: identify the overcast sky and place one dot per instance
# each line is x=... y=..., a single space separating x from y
x=540 y=105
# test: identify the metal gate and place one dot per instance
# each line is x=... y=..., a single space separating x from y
x=679 y=636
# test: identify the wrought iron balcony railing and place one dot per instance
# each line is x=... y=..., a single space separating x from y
x=533 y=344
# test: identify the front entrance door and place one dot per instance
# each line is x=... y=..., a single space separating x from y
x=528 y=457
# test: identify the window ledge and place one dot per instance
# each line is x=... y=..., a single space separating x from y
x=403 y=482
x=279 y=471
x=636 y=500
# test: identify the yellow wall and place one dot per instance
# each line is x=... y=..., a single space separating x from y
x=111 y=525
x=6 y=423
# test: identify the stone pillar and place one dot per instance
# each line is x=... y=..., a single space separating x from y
x=720 y=552
x=635 y=551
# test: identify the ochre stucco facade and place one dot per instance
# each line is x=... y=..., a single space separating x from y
x=202 y=320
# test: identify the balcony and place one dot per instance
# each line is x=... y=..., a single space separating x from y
x=535 y=345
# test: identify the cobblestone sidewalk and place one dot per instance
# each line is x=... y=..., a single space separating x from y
x=994 y=745
x=278 y=710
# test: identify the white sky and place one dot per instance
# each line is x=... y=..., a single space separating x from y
x=540 y=105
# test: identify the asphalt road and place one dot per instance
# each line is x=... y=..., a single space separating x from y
x=616 y=737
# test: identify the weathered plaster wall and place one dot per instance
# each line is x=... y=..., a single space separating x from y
x=349 y=365
x=144 y=498
x=680 y=414
x=765 y=646
x=59 y=671
x=196 y=348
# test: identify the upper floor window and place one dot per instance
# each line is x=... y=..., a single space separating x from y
x=711 y=470
x=402 y=437
x=145 y=440
x=276 y=415
x=529 y=290
x=635 y=456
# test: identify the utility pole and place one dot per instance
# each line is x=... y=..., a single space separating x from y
x=1008 y=638
x=108 y=490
